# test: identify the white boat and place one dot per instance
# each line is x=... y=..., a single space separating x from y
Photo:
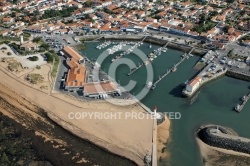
x=149 y=85
x=164 y=50
x=150 y=46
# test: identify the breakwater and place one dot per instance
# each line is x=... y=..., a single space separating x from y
x=221 y=137
x=203 y=82
x=238 y=75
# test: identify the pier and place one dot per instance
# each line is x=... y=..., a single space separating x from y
x=129 y=50
x=144 y=38
x=143 y=64
x=173 y=69
x=244 y=99
x=135 y=69
x=207 y=75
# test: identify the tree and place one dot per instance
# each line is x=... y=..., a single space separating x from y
x=37 y=39
x=33 y=58
x=4 y=159
x=45 y=46
x=49 y=57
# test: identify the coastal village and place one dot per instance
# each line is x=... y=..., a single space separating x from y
x=41 y=43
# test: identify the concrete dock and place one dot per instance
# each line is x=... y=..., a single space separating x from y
x=207 y=75
x=173 y=69
x=150 y=61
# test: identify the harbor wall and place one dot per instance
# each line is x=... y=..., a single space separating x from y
x=207 y=81
x=223 y=142
x=149 y=39
x=238 y=75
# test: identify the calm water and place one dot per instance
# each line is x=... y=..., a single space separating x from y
x=214 y=103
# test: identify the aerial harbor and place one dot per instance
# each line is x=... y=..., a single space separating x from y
x=124 y=83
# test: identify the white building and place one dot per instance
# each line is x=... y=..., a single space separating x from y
x=194 y=84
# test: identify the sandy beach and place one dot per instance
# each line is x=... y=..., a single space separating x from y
x=128 y=137
x=162 y=138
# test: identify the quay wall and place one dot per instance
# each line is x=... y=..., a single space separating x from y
x=206 y=81
x=222 y=142
x=238 y=75
x=149 y=39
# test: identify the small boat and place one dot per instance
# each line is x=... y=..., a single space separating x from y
x=164 y=50
x=150 y=46
x=146 y=63
x=153 y=87
x=149 y=85
x=237 y=108
x=244 y=98
x=185 y=83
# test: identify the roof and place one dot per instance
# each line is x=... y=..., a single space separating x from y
x=71 y=53
x=99 y=87
x=76 y=77
x=195 y=80
x=29 y=45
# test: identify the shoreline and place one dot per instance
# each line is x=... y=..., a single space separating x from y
x=127 y=154
x=163 y=131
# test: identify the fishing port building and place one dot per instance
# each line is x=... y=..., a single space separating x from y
x=94 y=89
x=194 y=84
x=70 y=53
x=77 y=76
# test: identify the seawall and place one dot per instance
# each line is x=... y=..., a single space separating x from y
x=149 y=39
x=238 y=75
x=221 y=137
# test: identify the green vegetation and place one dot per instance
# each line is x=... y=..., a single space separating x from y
x=44 y=47
x=13 y=65
x=8 y=38
x=33 y=58
x=65 y=12
x=34 y=78
x=17 y=48
x=53 y=59
x=230 y=53
x=247 y=37
x=38 y=40
x=81 y=46
x=204 y=27
x=26 y=35
x=16 y=147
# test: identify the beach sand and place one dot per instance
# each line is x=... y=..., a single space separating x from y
x=131 y=138
x=162 y=138
x=213 y=156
